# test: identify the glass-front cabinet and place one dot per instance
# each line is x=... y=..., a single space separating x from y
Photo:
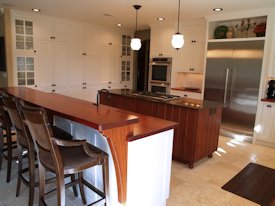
x=24 y=57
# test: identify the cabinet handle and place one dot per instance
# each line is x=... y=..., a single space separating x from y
x=268 y=106
x=53 y=90
x=160 y=55
x=84 y=87
x=53 y=37
x=35 y=85
x=185 y=95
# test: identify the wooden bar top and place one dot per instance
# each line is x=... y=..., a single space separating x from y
x=98 y=117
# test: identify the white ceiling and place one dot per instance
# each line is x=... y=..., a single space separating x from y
x=123 y=12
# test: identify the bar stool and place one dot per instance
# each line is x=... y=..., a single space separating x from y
x=25 y=145
x=7 y=142
x=63 y=157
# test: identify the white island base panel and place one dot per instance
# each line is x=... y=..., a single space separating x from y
x=148 y=170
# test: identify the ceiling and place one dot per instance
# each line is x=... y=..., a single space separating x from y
x=122 y=11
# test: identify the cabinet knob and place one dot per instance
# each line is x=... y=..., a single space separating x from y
x=185 y=95
x=34 y=51
x=53 y=90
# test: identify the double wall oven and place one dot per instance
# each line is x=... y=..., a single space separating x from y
x=160 y=74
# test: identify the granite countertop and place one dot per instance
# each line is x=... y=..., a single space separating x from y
x=181 y=101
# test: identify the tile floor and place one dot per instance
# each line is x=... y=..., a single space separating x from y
x=200 y=186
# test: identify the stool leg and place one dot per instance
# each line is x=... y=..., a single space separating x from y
x=105 y=171
x=20 y=151
x=9 y=145
x=31 y=158
x=60 y=188
x=74 y=187
x=41 y=184
x=81 y=187
x=1 y=147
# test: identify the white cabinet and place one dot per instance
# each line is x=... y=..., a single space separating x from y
x=265 y=130
x=161 y=41
x=192 y=58
x=194 y=34
x=46 y=30
x=23 y=53
x=51 y=67
x=191 y=95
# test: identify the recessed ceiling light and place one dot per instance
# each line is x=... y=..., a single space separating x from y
x=160 y=18
x=35 y=10
x=119 y=25
x=217 y=9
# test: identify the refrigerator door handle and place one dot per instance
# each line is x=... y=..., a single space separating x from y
x=225 y=87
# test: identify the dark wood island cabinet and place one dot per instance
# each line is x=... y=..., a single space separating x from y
x=199 y=121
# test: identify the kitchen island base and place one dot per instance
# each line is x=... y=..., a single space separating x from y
x=148 y=169
x=197 y=134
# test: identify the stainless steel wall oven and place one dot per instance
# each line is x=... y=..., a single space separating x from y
x=160 y=74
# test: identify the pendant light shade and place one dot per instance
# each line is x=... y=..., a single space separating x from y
x=136 y=42
x=178 y=39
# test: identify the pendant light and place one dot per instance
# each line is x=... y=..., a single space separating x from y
x=136 y=42
x=178 y=39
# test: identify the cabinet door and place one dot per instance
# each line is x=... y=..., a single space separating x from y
x=59 y=63
x=114 y=64
x=267 y=131
x=43 y=30
x=44 y=64
x=74 y=40
x=91 y=69
x=59 y=31
x=74 y=65
x=192 y=58
x=194 y=34
x=91 y=43
x=198 y=59
x=186 y=59
x=156 y=42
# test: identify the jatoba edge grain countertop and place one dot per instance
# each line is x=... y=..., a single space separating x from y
x=98 y=117
x=182 y=101
x=268 y=100
x=187 y=89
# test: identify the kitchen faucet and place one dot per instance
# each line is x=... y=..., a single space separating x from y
x=98 y=93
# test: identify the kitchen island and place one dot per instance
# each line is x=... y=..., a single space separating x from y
x=199 y=121
x=139 y=154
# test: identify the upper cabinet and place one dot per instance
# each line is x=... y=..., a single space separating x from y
x=161 y=41
x=23 y=47
x=46 y=30
x=194 y=34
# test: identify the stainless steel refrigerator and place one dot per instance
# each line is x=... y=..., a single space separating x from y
x=233 y=72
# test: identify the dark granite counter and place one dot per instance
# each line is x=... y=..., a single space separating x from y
x=181 y=101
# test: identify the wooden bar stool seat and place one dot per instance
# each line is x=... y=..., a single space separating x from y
x=63 y=157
